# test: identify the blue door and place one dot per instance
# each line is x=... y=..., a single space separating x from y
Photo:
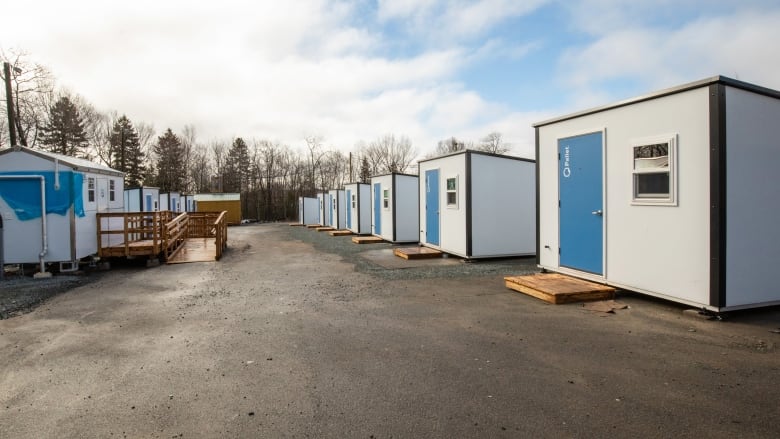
x=581 y=202
x=377 y=209
x=349 y=209
x=148 y=204
x=432 y=206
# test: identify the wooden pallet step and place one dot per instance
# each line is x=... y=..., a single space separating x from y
x=313 y=226
x=557 y=288
x=296 y=225
x=324 y=229
x=340 y=232
x=367 y=240
x=417 y=253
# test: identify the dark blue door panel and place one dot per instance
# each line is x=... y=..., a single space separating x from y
x=377 y=209
x=432 y=206
x=349 y=209
x=580 y=173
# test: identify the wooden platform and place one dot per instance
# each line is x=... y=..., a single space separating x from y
x=417 y=253
x=367 y=240
x=144 y=247
x=340 y=232
x=324 y=229
x=556 y=288
x=196 y=250
x=313 y=226
x=296 y=225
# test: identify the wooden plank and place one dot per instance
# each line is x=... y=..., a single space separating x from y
x=296 y=225
x=557 y=289
x=367 y=240
x=417 y=253
x=313 y=226
x=324 y=229
x=340 y=232
x=196 y=250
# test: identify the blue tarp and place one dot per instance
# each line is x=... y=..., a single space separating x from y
x=24 y=196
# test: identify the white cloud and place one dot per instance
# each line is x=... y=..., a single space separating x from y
x=740 y=45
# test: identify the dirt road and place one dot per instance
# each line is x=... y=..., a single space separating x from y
x=282 y=340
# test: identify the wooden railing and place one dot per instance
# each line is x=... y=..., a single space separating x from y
x=153 y=233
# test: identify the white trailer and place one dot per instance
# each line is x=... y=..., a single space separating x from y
x=142 y=199
x=478 y=205
x=171 y=201
x=358 y=208
x=338 y=214
x=48 y=204
x=671 y=194
x=323 y=203
x=188 y=203
x=394 y=201
x=308 y=210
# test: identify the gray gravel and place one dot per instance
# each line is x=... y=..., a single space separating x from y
x=22 y=293
x=357 y=254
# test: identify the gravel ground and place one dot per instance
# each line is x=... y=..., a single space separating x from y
x=22 y=293
x=358 y=255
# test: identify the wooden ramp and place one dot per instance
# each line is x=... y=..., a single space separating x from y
x=340 y=232
x=417 y=253
x=196 y=250
x=324 y=229
x=557 y=288
x=367 y=240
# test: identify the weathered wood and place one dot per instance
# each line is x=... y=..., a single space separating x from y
x=313 y=226
x=340 y=233
x=195 y=250
x=296 y=225
x=557 y=289
x=417 y=253
x=324 y=229
x=367 y=240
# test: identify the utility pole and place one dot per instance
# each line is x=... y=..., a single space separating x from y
x=9 y=103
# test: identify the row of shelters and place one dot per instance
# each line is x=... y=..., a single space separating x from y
x=670 y=194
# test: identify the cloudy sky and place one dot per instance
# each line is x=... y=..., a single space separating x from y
x=356 y=69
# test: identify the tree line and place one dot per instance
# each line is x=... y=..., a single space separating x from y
x=269 y=175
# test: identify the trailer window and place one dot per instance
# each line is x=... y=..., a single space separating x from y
x=654 y=170
x=111 y=190
x=386 y=198
x=452 y=192
x=334 y=204
x=353 y=200
x=91 y=189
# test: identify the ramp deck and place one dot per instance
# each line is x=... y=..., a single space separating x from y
x=196 y=250
x=557 y=288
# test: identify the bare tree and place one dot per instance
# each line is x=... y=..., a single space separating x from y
x=218 y=150
x=390 y=154
x=494 y=143
x=188 y=138
x=33 y=95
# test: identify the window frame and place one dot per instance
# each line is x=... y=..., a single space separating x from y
x=448 y=191
x=111 y=190
x=91 y=189
x=670 y=169
x=386 y=199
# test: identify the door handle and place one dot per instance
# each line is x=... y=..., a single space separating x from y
x=598 y=212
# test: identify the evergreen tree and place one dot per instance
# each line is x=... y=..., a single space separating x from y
x=126 y=153
x=64 y=132
x=237 y=167
x=365 y=171
x=170 y=162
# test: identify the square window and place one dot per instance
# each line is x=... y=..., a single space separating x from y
x=111 y=190
x=386 y=198
x=654 y=170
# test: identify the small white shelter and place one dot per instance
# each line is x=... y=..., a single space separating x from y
x=394 y=199
x=475 y=204
x=48 y=204
x=338 y=212
x=323 y=203
x=142 y=199
x=188 y=203
x=358 y=208
x=672 y=194
x=171 y=201
x=308 y=210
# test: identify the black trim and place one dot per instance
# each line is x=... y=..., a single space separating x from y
x=473 y=151
x=468 y=205
x=394 y=215
x=717 y=195
x=140 y=200
x=538 y=236
x=708 y=82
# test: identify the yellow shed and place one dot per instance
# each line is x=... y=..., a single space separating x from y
x=219 y=202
